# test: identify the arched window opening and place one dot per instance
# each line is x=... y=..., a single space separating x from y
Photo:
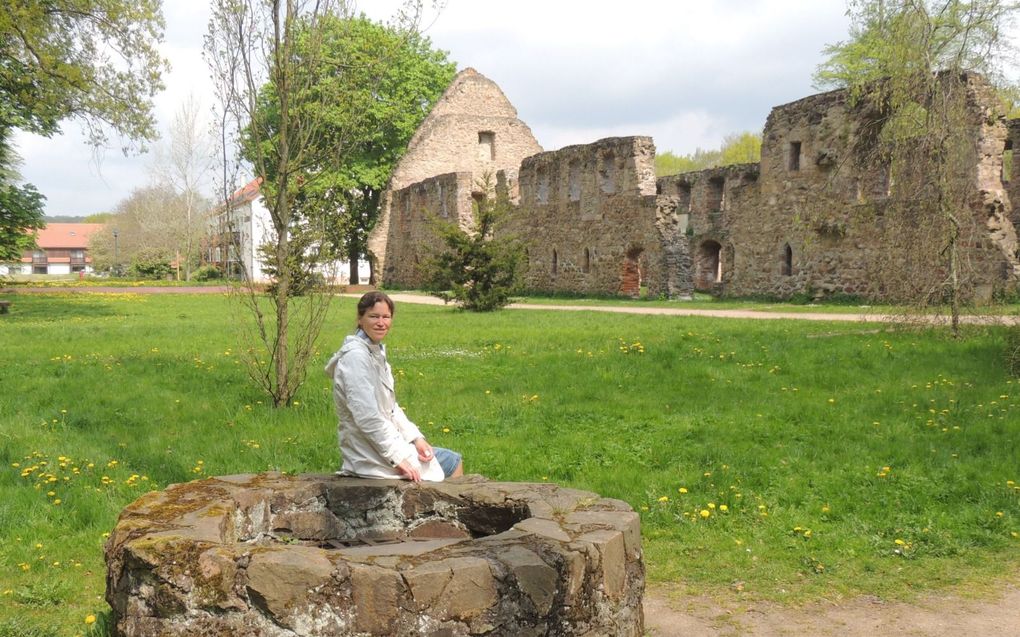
x=708 y=265
x=787 y=265
x=555 y=263
x=631 y=275
x=586 y=263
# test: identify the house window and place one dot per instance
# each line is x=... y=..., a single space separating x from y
x=38 y=269
x=793 y=157
x=486 y=146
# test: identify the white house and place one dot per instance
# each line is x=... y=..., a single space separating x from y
x=237 y=229
x=62 y=248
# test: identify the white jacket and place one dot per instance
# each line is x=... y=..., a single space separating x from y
x=375 y=435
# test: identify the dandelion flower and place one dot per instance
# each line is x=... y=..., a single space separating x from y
x=664 y=498
x=682 y=490
x=90 y=619
x=723 y=507
x=900 y=542
x=705 y=513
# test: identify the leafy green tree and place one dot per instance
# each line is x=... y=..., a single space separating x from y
x=907 y=65
x=375 y=85
x=474 y=269
x=738 y=148
x=92 y=60
x=21 y=207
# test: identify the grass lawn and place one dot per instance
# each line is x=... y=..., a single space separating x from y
x=789 y=460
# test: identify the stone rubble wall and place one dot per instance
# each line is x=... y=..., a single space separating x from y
x=450 y=141
x=819 y=216
x=243 y=556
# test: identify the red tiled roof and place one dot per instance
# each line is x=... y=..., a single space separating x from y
x=67 y=235
x=247 y=192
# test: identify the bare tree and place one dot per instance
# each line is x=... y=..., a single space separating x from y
x=185 y=164
x=266 y=56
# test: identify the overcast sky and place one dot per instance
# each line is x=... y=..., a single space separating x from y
x=686 y=72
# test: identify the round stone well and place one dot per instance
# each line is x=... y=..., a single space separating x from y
x=282 y=555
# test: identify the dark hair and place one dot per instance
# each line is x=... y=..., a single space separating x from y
x=368 y=301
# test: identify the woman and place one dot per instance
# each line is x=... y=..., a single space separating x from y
x=377 y=440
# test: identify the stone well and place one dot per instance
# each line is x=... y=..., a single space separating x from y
x=281 y=555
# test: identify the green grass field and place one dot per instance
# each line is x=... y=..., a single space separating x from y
x=789 y=460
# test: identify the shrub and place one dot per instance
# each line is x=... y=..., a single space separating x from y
x=476 y=270
x=207 y=273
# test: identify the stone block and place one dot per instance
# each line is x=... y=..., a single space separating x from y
x=456 y=588
x=280 y=578
x=537 y=579
x=612 y=560
x=377 y=594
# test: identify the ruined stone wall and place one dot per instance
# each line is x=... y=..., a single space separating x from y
x=1012 y=180
x=472 y=129
x=826 y=217
x=587 y=215
x=446 y=198
x=820 y=215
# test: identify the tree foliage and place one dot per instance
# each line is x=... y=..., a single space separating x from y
x=21 y=207
x=906 y=67
x=94 y=60
x=374 y=86
x=474 y=269
x=736 y=148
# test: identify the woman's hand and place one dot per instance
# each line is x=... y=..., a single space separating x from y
x=408 y=471
x=424 y=449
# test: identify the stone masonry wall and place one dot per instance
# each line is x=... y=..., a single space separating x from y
x=472 y=129
x=820 y=215
x=444 y=198
x=587 y=215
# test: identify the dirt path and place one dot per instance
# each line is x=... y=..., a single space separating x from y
x=932 y=616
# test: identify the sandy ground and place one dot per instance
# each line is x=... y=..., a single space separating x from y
x=667 y=615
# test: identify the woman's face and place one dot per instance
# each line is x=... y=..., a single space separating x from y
x=376 y=321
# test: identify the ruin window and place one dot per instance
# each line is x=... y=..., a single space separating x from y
x=486 y=145
x=1007 y=161
x=574 y=181
x=607 y=174
x=786 y=268
x=443 y=209
x=708 y=265
x=542 y=186
x=793 y=158
x=683 y=190
x=715 y=196
x=586 y=262
x=555 y=263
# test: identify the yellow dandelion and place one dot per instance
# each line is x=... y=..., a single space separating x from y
x=682 y=490
x=723 y=507
x=90 y=619
x=705 y=513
